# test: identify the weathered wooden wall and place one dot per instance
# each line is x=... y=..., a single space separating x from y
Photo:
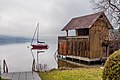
x=98 y=34
x=62 y=47
x=74 y=46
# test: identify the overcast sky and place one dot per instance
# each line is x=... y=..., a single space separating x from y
x=20 y=17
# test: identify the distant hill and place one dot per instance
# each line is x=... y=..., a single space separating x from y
x=12 y=39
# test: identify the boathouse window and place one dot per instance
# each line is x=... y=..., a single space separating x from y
x=83 y=32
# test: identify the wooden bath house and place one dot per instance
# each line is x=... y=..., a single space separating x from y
x=90 y=40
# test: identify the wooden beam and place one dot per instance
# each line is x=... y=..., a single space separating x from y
x=76 y=32
x=5 y=67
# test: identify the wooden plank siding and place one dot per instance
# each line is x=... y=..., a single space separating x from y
x=98 y=34
x=84 y=48
x=74 y=46
x=62 y=47
x=62 y=44
x=70 y=47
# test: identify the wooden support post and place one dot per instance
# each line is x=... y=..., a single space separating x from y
x=76 y=32
x=33 y=65
x=66 y=32
x=5 y=67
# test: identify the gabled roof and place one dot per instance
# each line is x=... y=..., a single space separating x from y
x=85 y=21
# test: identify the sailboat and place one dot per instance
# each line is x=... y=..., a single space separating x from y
x=39 y=45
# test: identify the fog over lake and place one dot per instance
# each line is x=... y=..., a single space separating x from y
x=19 y=58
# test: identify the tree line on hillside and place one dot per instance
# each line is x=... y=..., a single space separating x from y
x=11 y=39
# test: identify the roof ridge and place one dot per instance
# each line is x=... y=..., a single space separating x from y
x=89 y=15
x=84 y=21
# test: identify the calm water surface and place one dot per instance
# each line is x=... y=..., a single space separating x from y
x=19 y=57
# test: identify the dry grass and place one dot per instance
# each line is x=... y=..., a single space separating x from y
x=74 y=74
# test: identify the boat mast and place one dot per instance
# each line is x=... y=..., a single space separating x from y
x=36 y=30
x=37 y=33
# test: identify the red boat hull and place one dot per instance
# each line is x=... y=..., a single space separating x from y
x=39 y=46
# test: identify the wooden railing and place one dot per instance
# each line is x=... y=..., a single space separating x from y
x=33 y=65
x=5 y=67
x=74 y=46
x=68 y=37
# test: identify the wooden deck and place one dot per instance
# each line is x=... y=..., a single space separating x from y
x=21 y=76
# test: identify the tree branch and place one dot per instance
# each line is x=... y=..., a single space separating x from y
x=113 y=5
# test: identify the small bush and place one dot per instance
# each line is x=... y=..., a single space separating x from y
x=112 y=67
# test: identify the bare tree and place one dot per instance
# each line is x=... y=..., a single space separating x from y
x=111 y=9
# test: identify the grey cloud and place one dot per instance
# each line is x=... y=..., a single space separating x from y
x=19 y=17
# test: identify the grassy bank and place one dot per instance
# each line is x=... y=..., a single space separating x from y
x=74 y=74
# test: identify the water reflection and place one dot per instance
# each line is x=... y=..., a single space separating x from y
x=66 y=64
x=37 y=66
x=19 y=58
x=46 y=57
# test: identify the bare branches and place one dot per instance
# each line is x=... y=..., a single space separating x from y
x=111 y=9
x=114 y=6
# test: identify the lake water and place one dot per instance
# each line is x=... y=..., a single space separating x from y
x=19 y=58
